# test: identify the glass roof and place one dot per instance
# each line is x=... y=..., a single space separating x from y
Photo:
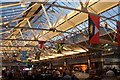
x=112 y=13
x=18 y=15
x=54 y=13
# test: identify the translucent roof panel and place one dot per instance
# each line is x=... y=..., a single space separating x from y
x=9 y=13
x=69 y=22
x=112 y=13
x=55 y=13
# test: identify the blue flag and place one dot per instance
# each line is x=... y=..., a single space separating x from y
x=24 y=53
x=15 y=57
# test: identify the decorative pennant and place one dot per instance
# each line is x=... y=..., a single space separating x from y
x=94 y=29
x=60 y=48
x=24 y=58
x=24 y=53
x=37 y=57
x=118 y=33
x=15 y=57
x=41 y=45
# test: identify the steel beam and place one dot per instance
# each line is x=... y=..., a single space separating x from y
x=16 y=46
x=14 y=4
x=20 y=39
x=78 y=10
x=51 y=29
x=25 y=17
x=9 y=50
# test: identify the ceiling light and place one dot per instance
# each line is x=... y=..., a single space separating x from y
x=41 y=58
x=23 y=5
x=113 y=41
x=77 y=51
x=29 y=58
x=82 y=50
x=106 y=44
x=70 y=53
x=5 y=16
x=46 y=58
x=59 y=54
x=7 y=26
x=35 y=60
x=18 y=60
x=51 y=56
x=109 y=49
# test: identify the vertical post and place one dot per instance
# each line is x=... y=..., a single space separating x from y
x=102 y=59
x=89 y=59
x=65 y=64
x=0 y=64
x=89 y=63
x=1 y=47
x=118 y=53
x=50 y=65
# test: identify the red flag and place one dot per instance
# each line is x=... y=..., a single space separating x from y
x=118 y=33
x=94 y=29
x=41 y=45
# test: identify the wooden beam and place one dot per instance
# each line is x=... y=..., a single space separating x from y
x=108 y=42
x=8 y=53
x=9 y=50
x=25 y=17
x=9 y=5
x=29 y=40
x=48 y=20
x=23 y=28
x=20 y=39
x=101 y=41
x=16 y=46
x=51 y=29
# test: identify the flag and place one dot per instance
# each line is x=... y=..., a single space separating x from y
x=24 y=58
x=60 y=48
x=41 y=45
x=24 y=53
x=15 y=57
x=37 y=57
x=118 y=33
x=94 y=28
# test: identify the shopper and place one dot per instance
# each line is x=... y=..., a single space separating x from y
x=93 y=76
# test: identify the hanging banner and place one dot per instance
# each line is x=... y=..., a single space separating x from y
x=37 y=57
x=60 y=48
x=24 y=53
x=94 y=28
x=24 y=58
x=41 y=45
x=15 y=57
x=118 y=33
